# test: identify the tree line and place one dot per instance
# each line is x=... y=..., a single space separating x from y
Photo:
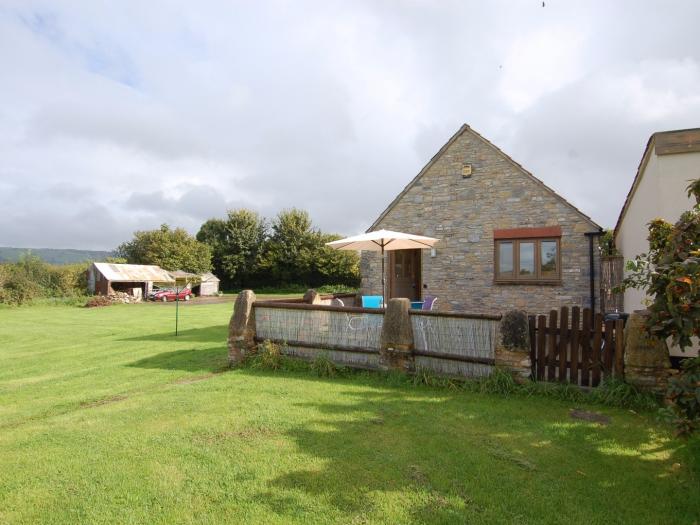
x=245 y=250
x=31 y=278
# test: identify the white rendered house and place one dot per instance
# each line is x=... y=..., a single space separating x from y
x=670 y=161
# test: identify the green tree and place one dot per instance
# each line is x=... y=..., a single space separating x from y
x=329 y=266
x=296 y=253
x=236 y=243
x=170 y=249
x=289 y=250
x=213 y=234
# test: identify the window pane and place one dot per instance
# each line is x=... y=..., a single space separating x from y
x=527 y=259
x=548 y=258
x=505 y=259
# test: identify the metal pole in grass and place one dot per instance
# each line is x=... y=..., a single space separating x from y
x=186 y=280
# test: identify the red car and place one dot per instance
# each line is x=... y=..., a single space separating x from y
x=170 y=295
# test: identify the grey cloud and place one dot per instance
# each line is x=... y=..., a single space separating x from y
x=198 y=202
x=124 y=116
x=65 y=191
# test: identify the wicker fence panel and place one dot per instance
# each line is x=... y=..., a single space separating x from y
x=452 y=368
x=340 y=357
x=459 y=337
x=329 y=331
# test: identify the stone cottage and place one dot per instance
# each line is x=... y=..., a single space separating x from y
x=506 y=240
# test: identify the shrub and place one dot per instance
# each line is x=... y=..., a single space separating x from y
x=606 y=245
x=611 y=393
x=68 y=280
x=18 y=288
x=267 y=356
x=423 y=376
x=324 y=367
x=31 y=278
x=426 y=377
x=683 y=398
x=615 y=392
x=499 y=382
x=562 y=391
x=336 y=288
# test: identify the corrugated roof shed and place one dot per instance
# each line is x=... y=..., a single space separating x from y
x=205 y=277
x=180 y=274
x=133 y=272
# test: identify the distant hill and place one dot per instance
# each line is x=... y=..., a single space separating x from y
x=53 y=255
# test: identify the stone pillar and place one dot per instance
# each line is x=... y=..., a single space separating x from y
x=396 y=346
x=241 y=328
x=647 y=364
x=312 y=297
x=513 y=345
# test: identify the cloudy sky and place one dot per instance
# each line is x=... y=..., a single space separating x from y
x=117 y=116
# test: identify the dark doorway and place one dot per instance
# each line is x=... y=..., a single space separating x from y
x=405 y=274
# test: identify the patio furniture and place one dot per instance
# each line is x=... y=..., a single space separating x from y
x=381 y=241
x=429 y=302
x=372 y=301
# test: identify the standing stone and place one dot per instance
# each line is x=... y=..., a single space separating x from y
x=312 y=297
x=513 y=345
x=647 y=364
x=241 y=328
x=396 y=343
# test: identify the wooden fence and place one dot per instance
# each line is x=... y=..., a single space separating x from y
x=583 y=350
x=566 y=346
x=349 y=335
x=454 y=344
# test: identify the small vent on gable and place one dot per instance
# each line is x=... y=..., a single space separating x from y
x=466 y=171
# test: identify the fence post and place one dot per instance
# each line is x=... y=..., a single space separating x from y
x=312 y=297
x=241 y=328
x=647 y=364
x=513 y=345
x=396 y=347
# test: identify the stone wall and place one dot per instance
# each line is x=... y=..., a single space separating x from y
x=464 y=212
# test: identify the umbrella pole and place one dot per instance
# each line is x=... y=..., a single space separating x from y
x=383 y=284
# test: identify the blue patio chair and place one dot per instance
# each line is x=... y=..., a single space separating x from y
x=371 y=301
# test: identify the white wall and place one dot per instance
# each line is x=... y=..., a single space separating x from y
x=661 y=193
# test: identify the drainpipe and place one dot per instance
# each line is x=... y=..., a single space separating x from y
x=591 y=262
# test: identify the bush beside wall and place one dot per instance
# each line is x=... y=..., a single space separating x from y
x=31 y=278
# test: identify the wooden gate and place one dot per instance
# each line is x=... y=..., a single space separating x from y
x=611 y=275
x=583 y=350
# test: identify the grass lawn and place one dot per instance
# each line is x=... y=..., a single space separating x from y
x=106 y=417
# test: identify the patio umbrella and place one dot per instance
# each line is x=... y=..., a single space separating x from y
x=381 y=241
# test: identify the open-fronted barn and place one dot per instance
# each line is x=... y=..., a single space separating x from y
x=134 y=279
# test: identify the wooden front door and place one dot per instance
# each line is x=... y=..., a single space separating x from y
x=404 y=274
